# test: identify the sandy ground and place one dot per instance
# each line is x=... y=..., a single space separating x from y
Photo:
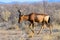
x=21 y=35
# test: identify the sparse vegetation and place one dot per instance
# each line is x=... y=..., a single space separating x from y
x=9 y=20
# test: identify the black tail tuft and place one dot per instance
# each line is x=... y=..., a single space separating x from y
x=49 y=20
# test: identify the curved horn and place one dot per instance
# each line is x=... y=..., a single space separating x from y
x=19 y=12
x=19 y=16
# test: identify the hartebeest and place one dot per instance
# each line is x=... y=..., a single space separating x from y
x=40 y=18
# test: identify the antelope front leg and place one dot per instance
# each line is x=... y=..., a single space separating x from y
x=31 y=28
x=40 y=30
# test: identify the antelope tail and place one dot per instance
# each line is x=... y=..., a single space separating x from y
x=49 y=20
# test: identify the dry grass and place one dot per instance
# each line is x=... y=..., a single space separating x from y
x=21 y=35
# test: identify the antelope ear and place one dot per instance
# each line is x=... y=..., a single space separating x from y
x=21 y=10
